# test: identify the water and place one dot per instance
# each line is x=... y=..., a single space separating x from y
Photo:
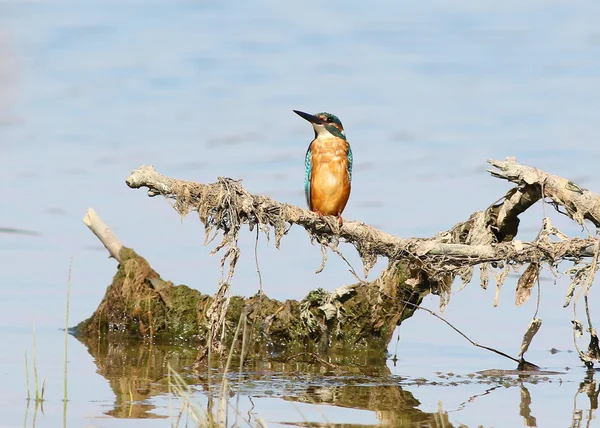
x=91 y=90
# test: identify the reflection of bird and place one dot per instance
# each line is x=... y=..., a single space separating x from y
x=328 y=166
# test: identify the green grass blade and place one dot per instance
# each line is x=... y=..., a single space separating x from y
x=65 y=380
x=35 y=373
x=27 y=375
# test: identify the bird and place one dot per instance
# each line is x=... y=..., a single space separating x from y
x=328 y=166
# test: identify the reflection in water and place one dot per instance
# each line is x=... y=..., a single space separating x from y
x=588 y=387
x=137 y=372
x=392 y=405
x=38 y=406
x=525 y=409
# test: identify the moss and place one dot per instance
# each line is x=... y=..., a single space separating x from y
x=138 y=303
x=234 y=311
x=127 y=254
x=286 y=326
x=182 y=317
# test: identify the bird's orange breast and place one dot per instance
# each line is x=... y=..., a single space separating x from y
x=329 y=183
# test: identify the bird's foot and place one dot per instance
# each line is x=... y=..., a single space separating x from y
x=338 y=216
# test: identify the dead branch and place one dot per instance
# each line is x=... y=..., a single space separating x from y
x=580 y=203
x=214 y=205
x=521 y=362
x=350 y=315
x=103 y=233
x=117 y=250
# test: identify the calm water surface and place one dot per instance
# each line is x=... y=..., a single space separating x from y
x=200 y=89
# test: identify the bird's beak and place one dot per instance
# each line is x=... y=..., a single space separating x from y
x=311 y=118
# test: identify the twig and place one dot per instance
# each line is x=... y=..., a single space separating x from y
x=593 y=267
x=352 y=270
x=539 y=298
x=472 y=398
x=471 y=341
x=260 y=284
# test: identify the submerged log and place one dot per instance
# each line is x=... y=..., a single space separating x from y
x=363 y=314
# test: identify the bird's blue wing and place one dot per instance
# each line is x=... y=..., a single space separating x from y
x=307 y=175
x=349 y=162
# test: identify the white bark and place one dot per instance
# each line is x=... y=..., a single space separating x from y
x=103 y=233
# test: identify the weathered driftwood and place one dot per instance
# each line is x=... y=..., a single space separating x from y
x=103 y=233
x=226 y=206
x=370 y=311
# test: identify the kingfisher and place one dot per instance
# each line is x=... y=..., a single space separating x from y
x=328 y=164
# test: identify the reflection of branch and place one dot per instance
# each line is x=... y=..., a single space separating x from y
x=587 y=386
x=471 y=399
x=250 y=409
x=577 y=414
x=525 y=409
x=523 y=365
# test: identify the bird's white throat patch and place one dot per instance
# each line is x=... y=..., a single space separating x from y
x=322 y=132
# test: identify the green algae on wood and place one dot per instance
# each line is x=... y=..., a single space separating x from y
x=139 y=303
